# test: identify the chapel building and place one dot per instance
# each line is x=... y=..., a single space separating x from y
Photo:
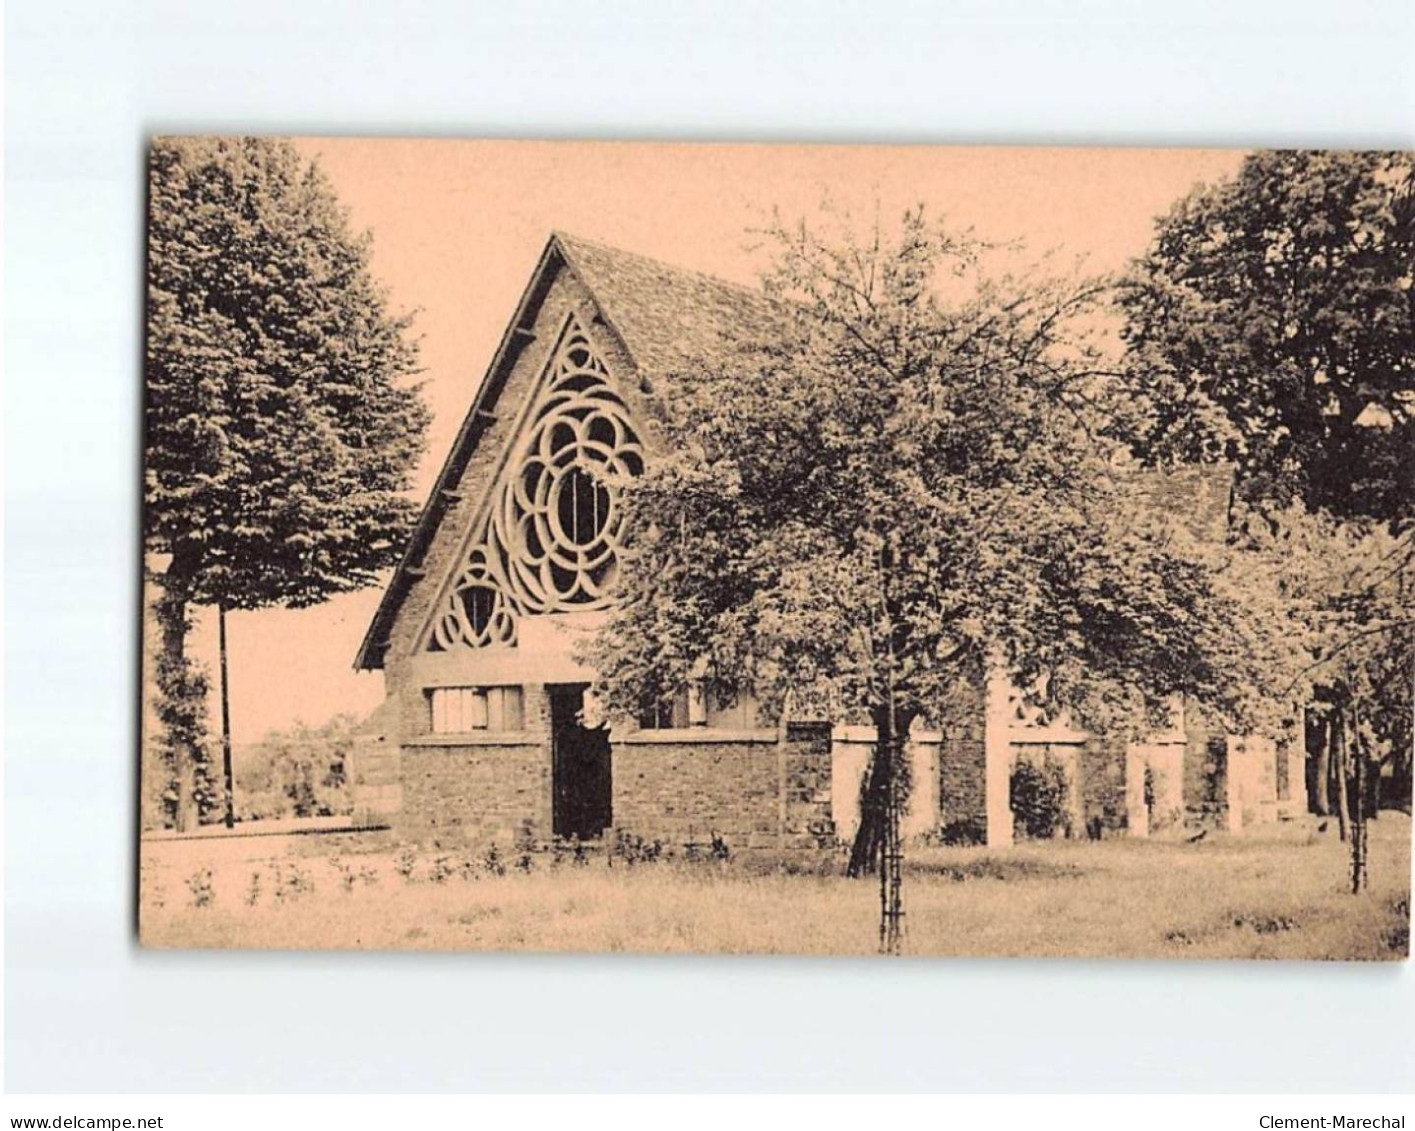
x=483 y=735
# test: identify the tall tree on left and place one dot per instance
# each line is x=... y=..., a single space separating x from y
x=282 y=420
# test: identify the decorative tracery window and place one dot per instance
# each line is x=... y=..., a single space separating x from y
x=551 y=541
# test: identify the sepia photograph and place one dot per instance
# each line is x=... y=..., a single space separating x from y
x=655 y=547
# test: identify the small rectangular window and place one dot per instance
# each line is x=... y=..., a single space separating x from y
x=504 y=708
x=668 y=714
x=467 y=710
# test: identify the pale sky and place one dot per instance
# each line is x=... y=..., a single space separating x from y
x=458 y=227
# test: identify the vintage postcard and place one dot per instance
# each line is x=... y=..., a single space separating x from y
x=560 y=546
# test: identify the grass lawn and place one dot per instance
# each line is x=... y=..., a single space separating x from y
x=1279 y=892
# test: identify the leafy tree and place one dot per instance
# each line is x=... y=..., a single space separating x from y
x=903 y=488
x=299 y=771
x=280 y=426
x=1346 y=591
x=1272 y=324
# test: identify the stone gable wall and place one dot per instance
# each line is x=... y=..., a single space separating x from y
x=563 y=296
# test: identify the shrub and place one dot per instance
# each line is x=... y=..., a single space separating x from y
x=345 y=873
x=199 y=884
x=1039 y=793
x=299 y=772
x=291 y=882
x=972 y=830
x=634 y=849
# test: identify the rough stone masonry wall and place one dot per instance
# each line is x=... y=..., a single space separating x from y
x=682 y=791
x=962 y=789
x=759 y=794
x=961 y=761
x=459 y=790
x=469 y=794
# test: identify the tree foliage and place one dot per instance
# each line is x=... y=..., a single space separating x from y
x=906 y=487
x=1271 y=324
x=298 y=771
x=1347 y=592
x=281 y=426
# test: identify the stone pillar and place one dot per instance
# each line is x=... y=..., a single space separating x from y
x=997 y=760
x=921 y=816
x=1295 y=753
x=804 y=761
x=1264 y=754
x=375 y=781
x=848 y=759
x=1137 y=813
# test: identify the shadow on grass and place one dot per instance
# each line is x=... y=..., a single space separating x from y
x=995 y=868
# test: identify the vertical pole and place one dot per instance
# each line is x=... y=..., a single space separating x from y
x=884 y=919
x=896 y=858
x=229 y=776
x=891 y=878
x=1357 y=803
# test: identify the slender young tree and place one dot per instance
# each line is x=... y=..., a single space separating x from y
x=899 y=492
x=1344 y=587
x=281 y=424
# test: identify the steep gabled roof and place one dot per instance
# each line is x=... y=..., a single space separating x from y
x=665 y=318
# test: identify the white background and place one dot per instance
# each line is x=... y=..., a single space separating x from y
x=85 y=83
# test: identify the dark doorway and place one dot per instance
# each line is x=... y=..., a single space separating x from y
x=581 y=781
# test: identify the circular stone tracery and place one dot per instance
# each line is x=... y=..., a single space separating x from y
x=559 y=517
x=552 y=539
x=479 y=612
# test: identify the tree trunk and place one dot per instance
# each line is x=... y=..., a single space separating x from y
x=885 y=772
x=869 y=836
x=1320 y=750
x=1336 y=729
x=878 y=844
x=182 y=702
x=173 y=614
